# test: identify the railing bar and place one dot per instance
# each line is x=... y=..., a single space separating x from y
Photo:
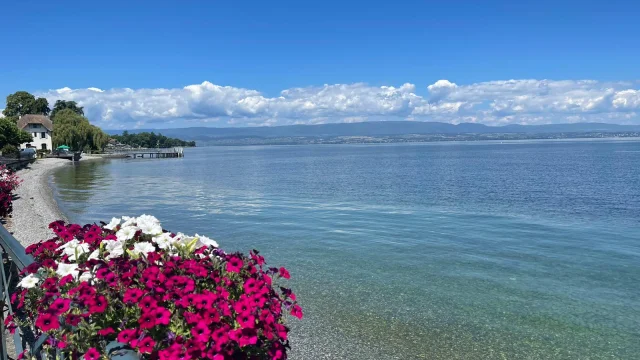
x=17 y=342
x=14 y=249
x=6 y=300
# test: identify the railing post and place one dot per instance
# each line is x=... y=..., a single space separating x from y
x=13 y=259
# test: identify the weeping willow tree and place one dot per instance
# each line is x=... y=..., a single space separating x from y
x=75 y=131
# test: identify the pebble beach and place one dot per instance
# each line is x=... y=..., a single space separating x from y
x=34 y=207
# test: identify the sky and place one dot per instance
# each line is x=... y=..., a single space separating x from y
x=167 y=64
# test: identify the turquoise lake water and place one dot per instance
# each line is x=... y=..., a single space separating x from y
x=520 y=250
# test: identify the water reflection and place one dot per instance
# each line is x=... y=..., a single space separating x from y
x=78 y=185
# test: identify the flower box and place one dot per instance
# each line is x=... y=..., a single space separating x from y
x=130 y=287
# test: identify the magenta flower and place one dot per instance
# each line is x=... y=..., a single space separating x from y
x=234 y=264
x=201 y=332
x=106 y=331
x=127 y=335
x=73 y=319
x=132 y=296
x=92 y=354
x=147 y=303
x=246 y=320
x=146 y=345
x=59 y=306
x=98 y=305
x=147 y=320
x=296 y=311
x=47 y=321
x=284 y=273
x=162 y=316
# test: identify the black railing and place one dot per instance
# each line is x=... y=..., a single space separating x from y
x=14 y=259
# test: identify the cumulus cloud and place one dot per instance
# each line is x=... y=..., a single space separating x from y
x=492 y=102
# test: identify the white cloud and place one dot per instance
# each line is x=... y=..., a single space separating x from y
x=492 y=102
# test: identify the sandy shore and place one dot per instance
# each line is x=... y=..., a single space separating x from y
x=35 y=208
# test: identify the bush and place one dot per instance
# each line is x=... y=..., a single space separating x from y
x=164 y=295
x=8 y=184
x=10 y=151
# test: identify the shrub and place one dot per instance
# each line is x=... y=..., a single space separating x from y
x=167 y=296
x=10 y=151
x=9 y=181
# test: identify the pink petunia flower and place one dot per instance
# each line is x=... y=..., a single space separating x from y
x=147 y=320
x=92 y=354
x=127 y=335
x=284 y=273
x=47 y=321
x=234 y=264
x=146 y=345
x=59 y=306
x=296 y=311
x=162 y=316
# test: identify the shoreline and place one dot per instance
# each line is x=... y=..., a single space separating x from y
x=34 y=206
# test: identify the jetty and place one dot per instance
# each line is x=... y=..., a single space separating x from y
x=158 y=153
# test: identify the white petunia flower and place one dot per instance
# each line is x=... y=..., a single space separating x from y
x=143 y=248
x=86 y=276
x=94 y=255
x=128 y=221
x=114 y=248
x=112 y=225
x=72 y=252
x=71 y=244
x=147 y=219
x=67 y=269
x=150 y=228
x=126 y=233
x=29 y=281
x=163 y=240
x=203 y=240
x=183 y=239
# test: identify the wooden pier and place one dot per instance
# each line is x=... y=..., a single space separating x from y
x=175 y=152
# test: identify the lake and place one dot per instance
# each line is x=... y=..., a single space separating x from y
x=479 y=250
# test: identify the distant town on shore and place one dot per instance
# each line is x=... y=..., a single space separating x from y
x=390 y=132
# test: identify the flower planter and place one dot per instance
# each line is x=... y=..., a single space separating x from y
x=130 y=290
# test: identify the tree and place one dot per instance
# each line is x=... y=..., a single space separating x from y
x=22 y=103
x=11 y=135
x=74 y=130
x=63 y=104
x=150 y=140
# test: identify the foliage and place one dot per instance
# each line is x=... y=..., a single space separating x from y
x=23 y=103
x=10 y=151
x=168 y=296
x=63 y=104
x=74 y=130
x=150 y=140
x=11 y=135
x=9 y=182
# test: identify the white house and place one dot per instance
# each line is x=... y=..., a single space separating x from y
x=40 y=127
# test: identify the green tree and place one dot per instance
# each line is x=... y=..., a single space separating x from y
x=63 y=104
x=22 y=103
x=74 y=130
x=150 y=140
x=11 y=135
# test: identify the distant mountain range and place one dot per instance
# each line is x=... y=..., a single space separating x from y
x=378 y=128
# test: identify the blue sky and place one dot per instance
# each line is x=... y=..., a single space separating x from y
x=239 y=57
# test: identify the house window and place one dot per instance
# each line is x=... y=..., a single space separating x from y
x=44 y=146
x=33 y=126
x=43 y=135
x=35 y=135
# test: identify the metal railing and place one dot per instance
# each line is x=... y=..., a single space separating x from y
x=13 y=260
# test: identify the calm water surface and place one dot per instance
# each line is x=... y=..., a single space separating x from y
x=525 y=250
